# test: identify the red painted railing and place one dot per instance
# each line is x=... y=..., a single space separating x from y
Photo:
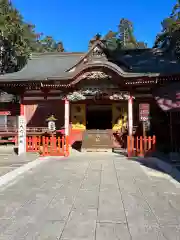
x=140 y=146
x=48 y=146
x=33 y=143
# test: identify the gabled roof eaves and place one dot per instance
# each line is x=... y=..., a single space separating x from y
x=97 y=43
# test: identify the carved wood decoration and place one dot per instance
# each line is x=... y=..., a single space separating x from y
x=94 y=75
x=119 y=96
x=96 y=94
x=6 y=97
x=96 y=53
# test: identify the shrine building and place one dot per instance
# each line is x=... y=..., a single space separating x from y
x=102 y=89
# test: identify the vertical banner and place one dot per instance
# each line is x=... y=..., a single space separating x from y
x=130 y=115
x=21 y=135
x=66 y=118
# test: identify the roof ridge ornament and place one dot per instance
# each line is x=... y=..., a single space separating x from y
x=98 y=52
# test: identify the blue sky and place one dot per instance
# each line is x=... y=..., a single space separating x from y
x=75 y=22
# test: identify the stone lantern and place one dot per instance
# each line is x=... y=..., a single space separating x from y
x=51 y=123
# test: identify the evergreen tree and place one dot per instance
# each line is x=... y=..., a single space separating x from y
x=126 y=34
x=21 y=35
x=19 y=39
x=8 y=59
x=124 y=38
x=169 y=25
x=49 y=44
x=112 y=40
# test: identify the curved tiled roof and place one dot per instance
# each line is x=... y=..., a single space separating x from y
x=151 y=61
x=127 y=63
x=42 y=66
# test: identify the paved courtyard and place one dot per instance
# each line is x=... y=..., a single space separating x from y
x=10 y=161
x=91 y=196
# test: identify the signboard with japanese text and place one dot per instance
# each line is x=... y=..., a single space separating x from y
x=144 y=110
x=21 y=135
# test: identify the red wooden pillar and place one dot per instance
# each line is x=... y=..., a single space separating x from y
x=22 y=107
x=130 y=127
x=66 y=126
x=130 y=115
x=66 y=117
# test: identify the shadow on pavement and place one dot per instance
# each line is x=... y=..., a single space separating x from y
x=159 y=165
x=158 y=162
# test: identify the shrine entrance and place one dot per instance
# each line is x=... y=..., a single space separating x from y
x=98 y=117
x=97 y=136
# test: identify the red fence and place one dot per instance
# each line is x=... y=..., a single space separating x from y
x=140 y=146
x=48 y=146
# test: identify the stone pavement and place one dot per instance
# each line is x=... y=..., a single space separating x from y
x=98 y=196
x=10 y=161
